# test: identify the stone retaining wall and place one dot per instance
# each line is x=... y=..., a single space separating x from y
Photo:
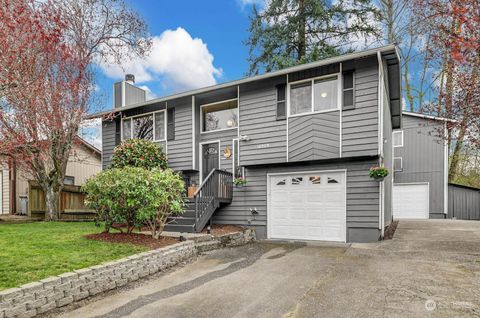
x=39 y=297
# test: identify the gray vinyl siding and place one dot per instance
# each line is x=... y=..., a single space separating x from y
x=362 y=198
x=180 y=149
x=423 y=159
x=360 y=125
x=108 y=142
x=258 y=121
x=314 y=137
x=133 y=94
x=463 y=202
x=117 y=94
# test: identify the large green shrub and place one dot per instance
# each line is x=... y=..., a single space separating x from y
x=135 y=196
x=139 y=153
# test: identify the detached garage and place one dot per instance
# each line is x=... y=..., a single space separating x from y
x=307 y=206
x=411 y=201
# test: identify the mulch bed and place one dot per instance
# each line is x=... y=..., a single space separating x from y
x=133 y=238
x=390 y=231
x=222 y=229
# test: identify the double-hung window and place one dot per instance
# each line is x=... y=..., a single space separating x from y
x=316 y=95
x=150 y=126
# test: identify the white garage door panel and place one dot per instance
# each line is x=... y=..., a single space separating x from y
x=410 y=201
x=309 y=206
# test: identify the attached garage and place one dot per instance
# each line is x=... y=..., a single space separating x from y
x=411 y=201
x=307 y=206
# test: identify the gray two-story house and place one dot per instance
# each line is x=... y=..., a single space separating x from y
x=420 y=178
x=304 y=138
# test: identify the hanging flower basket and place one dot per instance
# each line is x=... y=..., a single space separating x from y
x=378 y=173
x=239 y=182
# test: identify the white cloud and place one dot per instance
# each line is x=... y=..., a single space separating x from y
x=177 y=60
x=150 y=94
x=251 y=2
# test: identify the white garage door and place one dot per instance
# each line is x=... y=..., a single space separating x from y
x=410 y=201
x=307 y=206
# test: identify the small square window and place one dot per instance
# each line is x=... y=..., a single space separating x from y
x=297 y=180
x=332 y=180
x=69 y=180
x=398 y=164
x=315 y=180
x=398 y=138
x=282 y=182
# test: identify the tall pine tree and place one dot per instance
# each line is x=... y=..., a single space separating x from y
x=292 y=32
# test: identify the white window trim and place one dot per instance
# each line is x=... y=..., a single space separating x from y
x=216 y=103
x=401 y=138
x=401 y=164
x=143 y=115
x=312 y=80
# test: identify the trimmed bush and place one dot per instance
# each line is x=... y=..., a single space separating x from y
x=139 y=153
x=135 y=196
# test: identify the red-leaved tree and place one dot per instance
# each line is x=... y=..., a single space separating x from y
x=45 y=86
x=47 y=55
x=455 y=52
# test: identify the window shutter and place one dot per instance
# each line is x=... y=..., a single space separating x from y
x=171 y=124
x=348 y=95
x=281 y=105
x=118 y=136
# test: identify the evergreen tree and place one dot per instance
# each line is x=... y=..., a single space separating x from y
x=292 y=32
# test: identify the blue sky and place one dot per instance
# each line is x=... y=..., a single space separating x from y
x=215 y=27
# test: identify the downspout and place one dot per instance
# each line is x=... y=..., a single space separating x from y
x=381 y=218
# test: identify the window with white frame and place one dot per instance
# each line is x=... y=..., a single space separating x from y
x=221 y=115
x=150 y=126
x=315 y=95
x=398 y=164
x=398 y=138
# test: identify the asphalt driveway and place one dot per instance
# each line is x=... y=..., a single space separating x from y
x=430 y=269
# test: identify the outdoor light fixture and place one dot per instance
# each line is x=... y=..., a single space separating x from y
x=230 y=123
x=324 y=94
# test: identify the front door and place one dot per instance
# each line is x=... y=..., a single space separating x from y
x=210 y=158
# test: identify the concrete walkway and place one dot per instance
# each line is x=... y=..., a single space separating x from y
x=430 y=269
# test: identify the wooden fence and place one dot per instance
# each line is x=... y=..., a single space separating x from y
x=71 y=203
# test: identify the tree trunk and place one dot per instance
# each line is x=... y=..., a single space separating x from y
x=52 y=198
x=302 y=45
x=452 y=170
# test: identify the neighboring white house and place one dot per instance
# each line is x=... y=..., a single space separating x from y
x=83 y=163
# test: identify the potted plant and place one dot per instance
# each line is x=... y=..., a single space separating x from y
x=378 y=173
x=239 y=182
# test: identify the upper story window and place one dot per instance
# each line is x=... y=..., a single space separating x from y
x=397 y=138
x=219 y=116
x=316 y=95
x=150 y=126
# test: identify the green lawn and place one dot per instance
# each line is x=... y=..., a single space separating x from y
x=33 y=251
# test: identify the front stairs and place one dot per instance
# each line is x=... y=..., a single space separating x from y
x=215 y=191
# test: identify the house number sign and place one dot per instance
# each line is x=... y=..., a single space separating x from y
x=263 y=146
